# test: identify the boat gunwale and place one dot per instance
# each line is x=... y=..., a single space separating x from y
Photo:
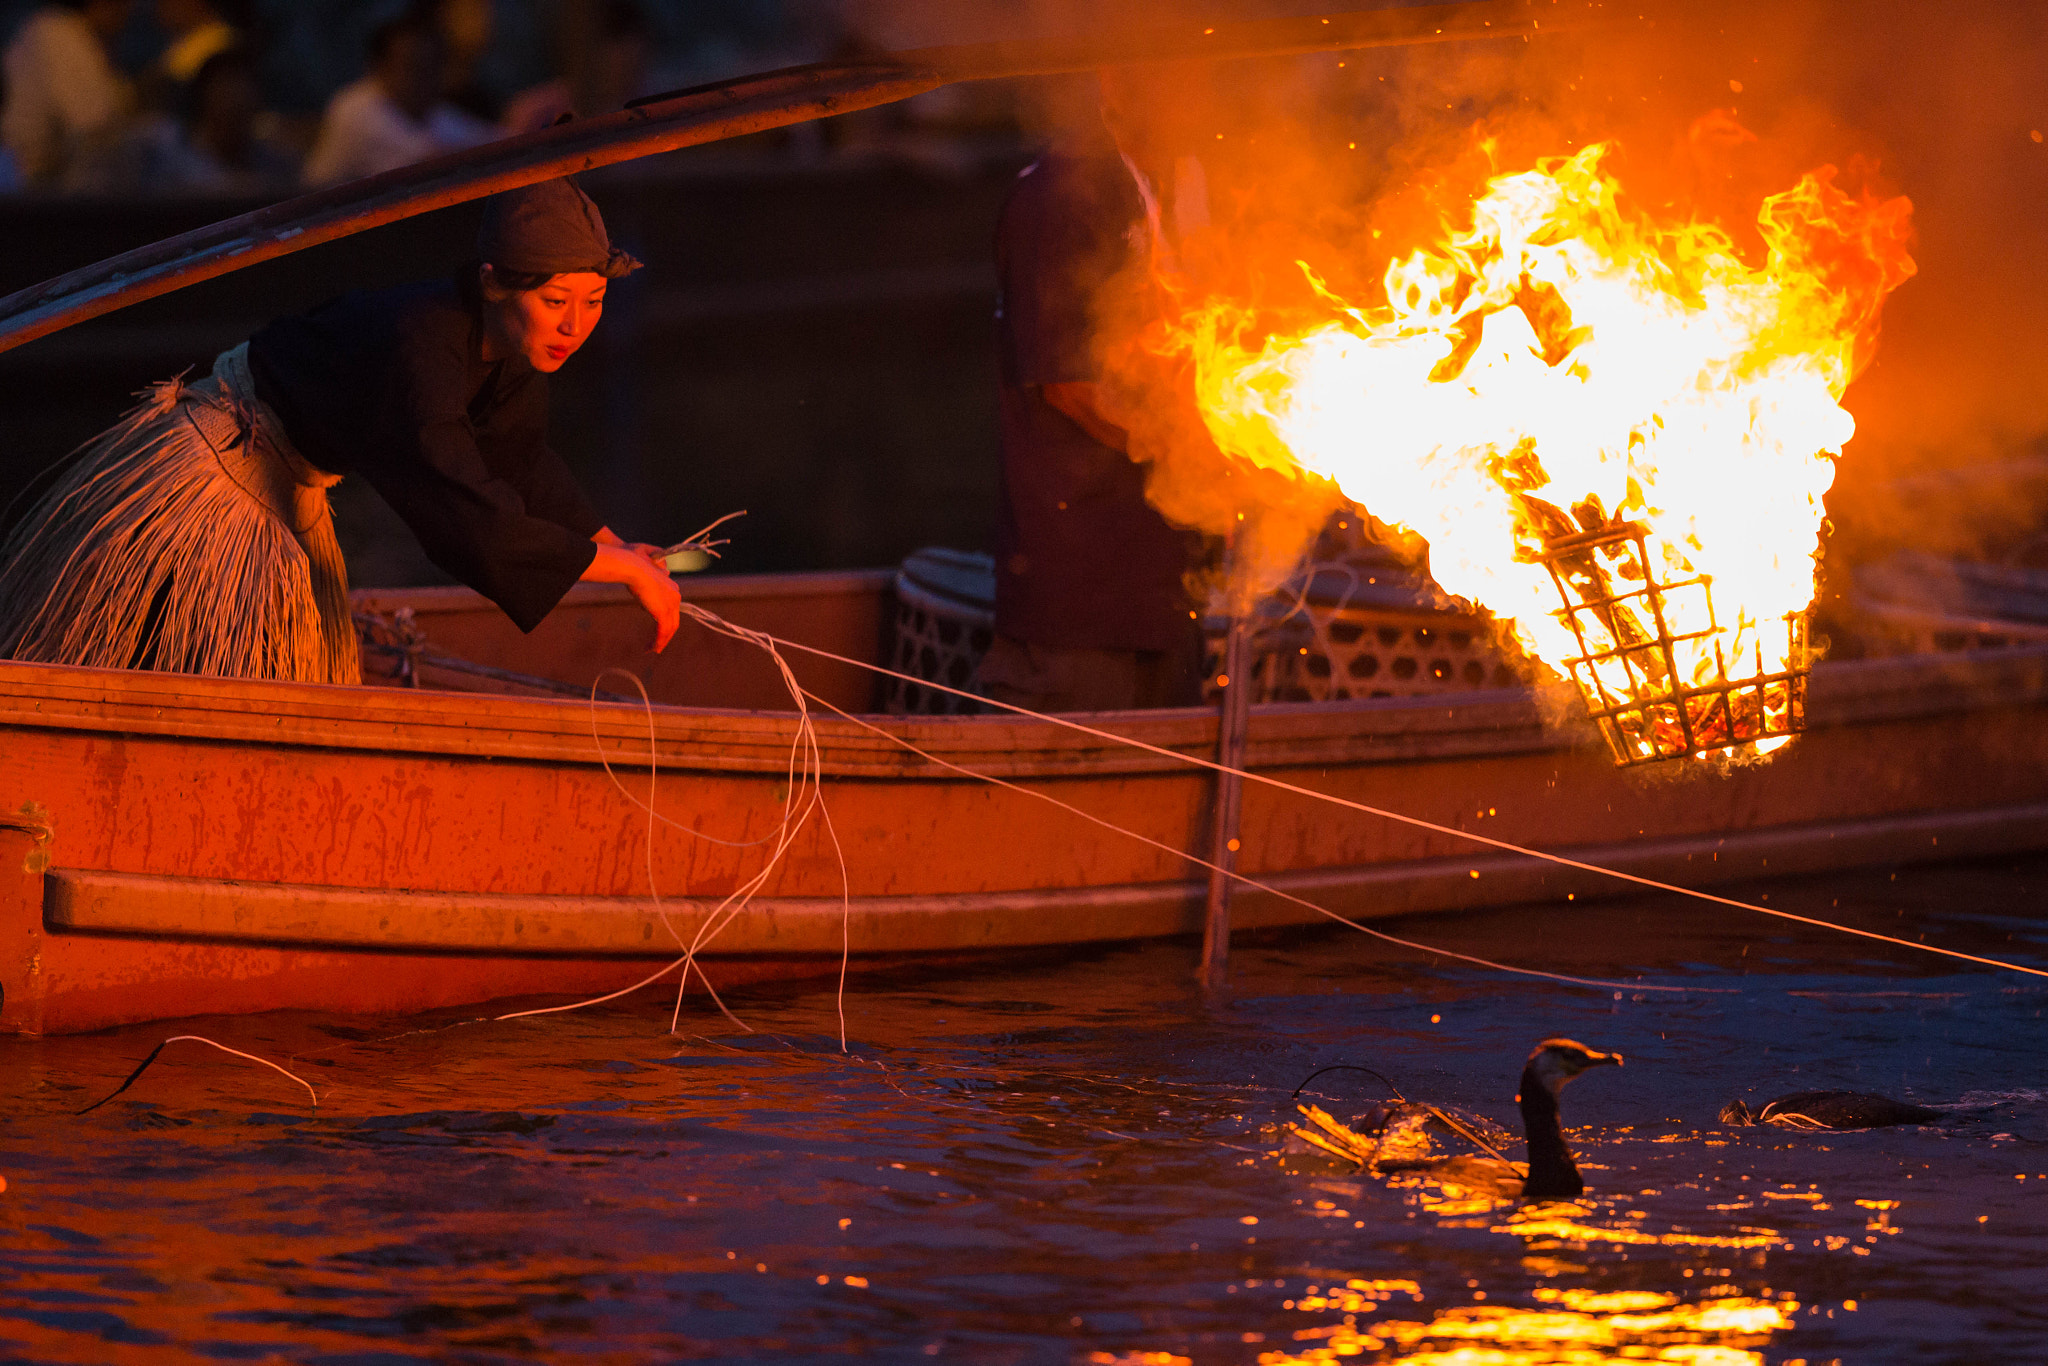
x=717 y=740
x=454 y=598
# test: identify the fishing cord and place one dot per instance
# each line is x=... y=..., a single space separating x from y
x=845 y=920
x=653 y=777
x=814 y=775
x=1254 y=883
x=884 y=1072
x=887 y=1074
x=648 y=806
x=1005 y=1074
x=804 y=789
x=1008 y=1073
x=1347 y=1067
x=196 y=1038
x=1282 y=785
x=804 y=775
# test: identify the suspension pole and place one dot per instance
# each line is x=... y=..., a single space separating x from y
x=736 y=108
x=1234 y=714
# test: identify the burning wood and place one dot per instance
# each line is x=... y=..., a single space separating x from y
x=1629 y=669
x=1568 y=397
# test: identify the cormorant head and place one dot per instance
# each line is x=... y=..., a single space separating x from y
x=1557 y=1061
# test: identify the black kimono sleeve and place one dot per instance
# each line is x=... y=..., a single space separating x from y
x=469 y=511
x=543 y=481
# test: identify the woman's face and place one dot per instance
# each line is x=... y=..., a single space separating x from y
x=544 y=326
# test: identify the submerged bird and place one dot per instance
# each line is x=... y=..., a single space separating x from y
x=1830 y=1110
x=1399 y=1143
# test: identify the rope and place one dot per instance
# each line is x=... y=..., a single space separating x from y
x=1236 y=876
x=1281 y=785
x=805 y=793
x=197 y=1038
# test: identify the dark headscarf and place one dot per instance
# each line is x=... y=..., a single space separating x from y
x=549 y=229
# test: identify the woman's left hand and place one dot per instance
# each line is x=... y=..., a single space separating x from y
x=653 y=554
x=648 y=582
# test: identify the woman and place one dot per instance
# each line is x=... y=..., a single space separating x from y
x=195 y=536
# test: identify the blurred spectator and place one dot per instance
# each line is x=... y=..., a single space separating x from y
x=614 y=56
x=465 y=29
x=63 y=94
x=607 y=46
x=10 y=169
x=215 y=149
x=197 y=31
x=395 y=115
x=538 y=107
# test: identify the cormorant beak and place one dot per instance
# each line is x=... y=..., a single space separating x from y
x=1591 y=1060
x=1556 y=1061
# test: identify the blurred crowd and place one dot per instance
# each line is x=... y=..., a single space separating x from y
x=261 y=98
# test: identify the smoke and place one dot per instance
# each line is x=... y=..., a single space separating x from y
x=1345 y=161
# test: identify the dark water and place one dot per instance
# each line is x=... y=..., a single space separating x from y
x=1073 y=1160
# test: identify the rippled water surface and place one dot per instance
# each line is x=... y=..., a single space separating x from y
x=1075 y=1159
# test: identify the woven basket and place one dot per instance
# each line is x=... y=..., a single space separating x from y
x=945 y=622
x=1345 y=630
x=1637 y=630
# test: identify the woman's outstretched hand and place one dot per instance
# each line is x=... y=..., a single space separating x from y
x=644 y=574
x=606 y=536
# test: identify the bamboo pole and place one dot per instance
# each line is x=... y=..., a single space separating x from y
x=710 y=113
x=1233 y=723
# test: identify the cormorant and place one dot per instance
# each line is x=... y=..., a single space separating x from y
x=1830 y=1110
x=1551 y=1173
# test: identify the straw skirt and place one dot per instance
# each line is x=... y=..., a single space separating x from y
x=190 y=538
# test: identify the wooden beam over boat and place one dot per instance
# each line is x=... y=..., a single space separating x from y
x=729 y=109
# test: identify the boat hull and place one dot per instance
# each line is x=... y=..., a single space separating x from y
x=186 y=846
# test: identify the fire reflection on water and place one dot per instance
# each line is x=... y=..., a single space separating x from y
x=1572 y=1327
x=1726 y=1326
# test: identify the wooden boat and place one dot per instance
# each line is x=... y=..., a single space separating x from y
x=173 y=845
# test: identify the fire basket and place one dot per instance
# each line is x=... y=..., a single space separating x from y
x=1662 y=677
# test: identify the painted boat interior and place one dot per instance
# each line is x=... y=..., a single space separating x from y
x=599 y=634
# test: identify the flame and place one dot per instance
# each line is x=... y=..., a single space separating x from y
x=1565 y=361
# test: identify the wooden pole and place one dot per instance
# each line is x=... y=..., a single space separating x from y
x=1233 y=722
x=728 y=109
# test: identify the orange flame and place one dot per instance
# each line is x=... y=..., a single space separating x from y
x=1565 y=360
